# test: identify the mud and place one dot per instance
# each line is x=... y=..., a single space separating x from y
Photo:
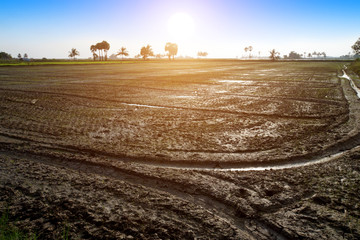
x=87 y=149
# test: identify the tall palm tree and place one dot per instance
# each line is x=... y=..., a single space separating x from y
x=98 y=46
x=274 y=55
x=250 y=49
x=73 y=53
x=105 y=46
x=123 y=52
x=93 y=49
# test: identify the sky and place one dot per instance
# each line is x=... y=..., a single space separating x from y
x=223 y=28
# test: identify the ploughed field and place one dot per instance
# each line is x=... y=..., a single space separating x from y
x=145 y=150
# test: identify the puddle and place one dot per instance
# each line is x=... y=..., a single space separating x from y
x=142 y=105
x=184 y=96
x=356 y=89
x=244 y=82
x=264 y=167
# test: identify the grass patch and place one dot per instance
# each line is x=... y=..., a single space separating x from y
x=355 y=66
x=8 y=232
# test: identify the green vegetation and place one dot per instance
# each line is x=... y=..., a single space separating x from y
x=57 y=62
x=8 y=232
x=355 y=66
x=356 y=47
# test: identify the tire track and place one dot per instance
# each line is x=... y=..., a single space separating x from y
x=242 y=113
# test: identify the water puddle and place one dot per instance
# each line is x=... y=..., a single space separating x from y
x=244 y=82
x=142 y=105
x=184 y=96
x=356 y=89
x=264 y=167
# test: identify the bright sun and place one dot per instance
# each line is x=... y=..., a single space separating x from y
x=181 y=26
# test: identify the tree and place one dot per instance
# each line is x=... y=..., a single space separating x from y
x=309 y=55
x=146 y=52
x=294 y=55
x=250 y=48
x=202 y=54
x=274 y=55
x=4 y=55
x=356 y=47
x=324 y=54
x=246 y=49
x=98 y=46
x=123 y=52
x=93 y=49
x=172 y=49
x=73 y=53
x=19 y=56
x=25 y=55
x=105 y=46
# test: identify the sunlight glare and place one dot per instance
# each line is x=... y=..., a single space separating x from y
x=181 y=26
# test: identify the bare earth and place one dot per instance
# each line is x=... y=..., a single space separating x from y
x=145 y=150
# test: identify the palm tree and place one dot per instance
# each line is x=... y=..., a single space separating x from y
x=246 y=49
x=250 y=49
x=99 y=48
x=93 y=49
x=73 y=53
x=19 y=56
x=123 y=52
x=105 y=46
x=274 y=55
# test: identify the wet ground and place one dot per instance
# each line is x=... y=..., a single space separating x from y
x=106 y=150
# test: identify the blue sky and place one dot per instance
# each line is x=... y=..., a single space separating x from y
x=223 y=28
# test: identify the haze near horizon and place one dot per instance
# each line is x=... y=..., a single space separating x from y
x=221 y=28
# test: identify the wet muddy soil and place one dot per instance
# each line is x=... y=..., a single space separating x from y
x=134 y=152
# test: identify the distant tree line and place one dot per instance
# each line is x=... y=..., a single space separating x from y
x=295 y=55
x=100 y=50
x=7 y=56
